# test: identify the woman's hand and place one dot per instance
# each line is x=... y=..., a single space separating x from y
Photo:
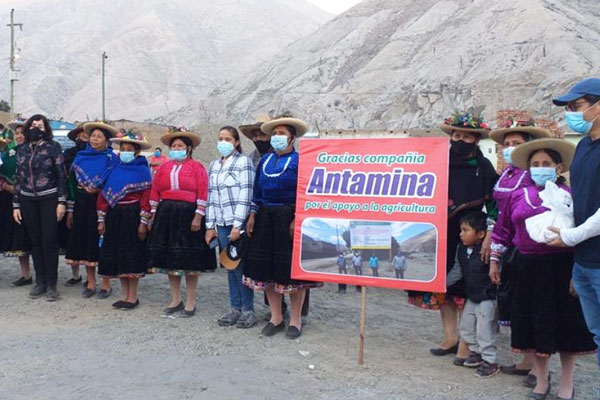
x=486 y=247
x=250 y=224
x=150 y=222
x=101 y=228
x=572 y=290
x=291 y=229
x=234 y=236
x=557 y=241
x=8 y=187
x=494 y=272
x=92 y=191
x=142 y=232
x=69 y=220
x=61 y=209
x=210 y=235
x=17 y=216
x=197 y=223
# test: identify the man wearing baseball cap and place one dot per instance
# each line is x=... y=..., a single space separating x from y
x=582 y=114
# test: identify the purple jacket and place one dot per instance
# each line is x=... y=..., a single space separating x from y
x=512 y=178
x=510 y=228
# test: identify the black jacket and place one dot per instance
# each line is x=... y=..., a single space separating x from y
x=40 y=171
x=478 y=284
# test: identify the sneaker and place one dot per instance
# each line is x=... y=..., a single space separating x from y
x=230 y=317
x=37 y=291
x=473 y=361
x=487 y=370
x=73 y=281
x=51 y=294
x=246 y=320
x=22 y=281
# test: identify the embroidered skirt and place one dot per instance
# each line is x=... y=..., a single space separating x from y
x=269 y=258
x=83 y=239
x=123 y=254
x=172 y=246
x=545 y=318
x=14 y=241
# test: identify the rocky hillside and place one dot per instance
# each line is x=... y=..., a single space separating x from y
x=162 y=55
x=407 y=64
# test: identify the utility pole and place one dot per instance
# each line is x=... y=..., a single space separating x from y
x=13 y=65
x=104 y=57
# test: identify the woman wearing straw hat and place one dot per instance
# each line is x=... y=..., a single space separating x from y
x=86 y=178
x=176 y=244
x=14 y=241
x=123 y=213
x=471 y=182
x=271 y=224
x=546 y=316
x=39 y=200
x=510 y=135
x=81 y=140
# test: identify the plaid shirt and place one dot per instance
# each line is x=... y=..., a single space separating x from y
x=230 y=187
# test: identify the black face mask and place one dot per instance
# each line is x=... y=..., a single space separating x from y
x=462 y=148
x=35 y=134
x=262 y=147
x=80 y=144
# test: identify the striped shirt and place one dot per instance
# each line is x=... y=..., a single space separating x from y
x=230 y=188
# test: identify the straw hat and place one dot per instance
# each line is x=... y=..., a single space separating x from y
x=469 y=121
x=168 y=136
x=300 y=126
x=132 y=136
x=497 y=135
x=13 y=125
x=566 y=149
x=248 y=129
x=89 y=127
x=232 y=254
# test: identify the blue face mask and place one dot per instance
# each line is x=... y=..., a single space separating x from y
x=279 y=142
x=127 y=156
x=506 y=152
x=178 y=155
x=157 y=153
x=541 y=175
x=225 y=148
x=577 y=122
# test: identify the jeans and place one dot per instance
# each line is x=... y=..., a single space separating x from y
x=39 y=218
x=241 y=297
x=479 y=329
x=587 y=285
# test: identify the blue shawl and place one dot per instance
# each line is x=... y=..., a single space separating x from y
x=91 y=166
x=126 y=178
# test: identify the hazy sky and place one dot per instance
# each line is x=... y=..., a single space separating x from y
x=335 y=6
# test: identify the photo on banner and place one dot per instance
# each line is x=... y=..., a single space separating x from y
x=372 y=212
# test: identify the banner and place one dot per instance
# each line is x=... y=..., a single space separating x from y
x=372 y=212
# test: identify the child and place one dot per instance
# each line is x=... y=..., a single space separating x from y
x=479 y=322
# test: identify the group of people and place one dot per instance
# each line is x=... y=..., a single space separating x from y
x=546 y=291
x=127 y=220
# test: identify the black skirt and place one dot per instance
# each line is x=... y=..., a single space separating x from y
x=269 y=258
x=545 y=318
x=122 y=254
x=172 y=246
x=14 y=240
x=83 y=239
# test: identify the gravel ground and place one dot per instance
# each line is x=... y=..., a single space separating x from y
x=83 y=349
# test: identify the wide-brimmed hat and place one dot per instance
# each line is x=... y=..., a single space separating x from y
x=169 y=135
x=300 y=126
x=248 y=129
x=232 y=254
x=132 y=136
x=13 y=125
x=89 y=127
x=469 y=121
x=520 y=156
x=73 y=133
x=497 y=135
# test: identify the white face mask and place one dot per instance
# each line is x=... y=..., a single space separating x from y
x=279 y=142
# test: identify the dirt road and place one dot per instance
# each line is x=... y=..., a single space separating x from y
x=82 y=349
